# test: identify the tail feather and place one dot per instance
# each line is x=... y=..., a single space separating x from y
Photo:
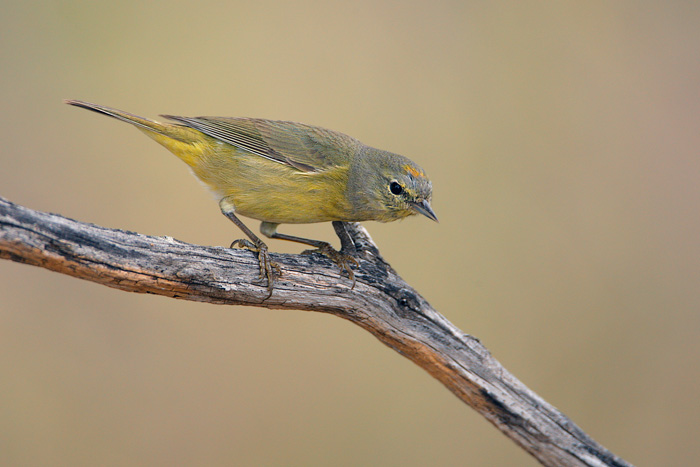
x=165 y=129
x=186 y=143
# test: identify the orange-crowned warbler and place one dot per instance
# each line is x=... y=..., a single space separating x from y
x=289 y=173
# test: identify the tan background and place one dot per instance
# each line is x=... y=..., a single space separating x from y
x=562 y=140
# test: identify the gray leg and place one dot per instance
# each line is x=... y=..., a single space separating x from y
x=341 y=258
x=254 y=244
x=346 y=243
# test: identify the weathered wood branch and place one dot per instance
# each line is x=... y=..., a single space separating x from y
x=381 y=302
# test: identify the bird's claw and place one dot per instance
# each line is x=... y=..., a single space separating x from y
x=338 y=257
x=268 y=268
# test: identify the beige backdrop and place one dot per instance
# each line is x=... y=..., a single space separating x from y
x=562 y=140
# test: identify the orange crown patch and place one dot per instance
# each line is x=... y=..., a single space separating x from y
x=413 y=171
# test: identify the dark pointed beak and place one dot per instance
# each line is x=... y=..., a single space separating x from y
x=423 y=207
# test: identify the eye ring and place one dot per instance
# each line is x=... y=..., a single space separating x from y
x=395 y=188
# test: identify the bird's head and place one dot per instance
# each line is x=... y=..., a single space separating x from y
x=395 y=187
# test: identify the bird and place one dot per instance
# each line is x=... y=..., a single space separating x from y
x=282 y=172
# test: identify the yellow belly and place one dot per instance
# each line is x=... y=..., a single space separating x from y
x=264 y=189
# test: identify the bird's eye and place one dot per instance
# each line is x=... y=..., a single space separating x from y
x=395 y=188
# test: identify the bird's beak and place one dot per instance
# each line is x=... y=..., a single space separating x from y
x=423 y=207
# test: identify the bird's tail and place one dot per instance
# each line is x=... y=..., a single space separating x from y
x=179 y=139
x=141 y=122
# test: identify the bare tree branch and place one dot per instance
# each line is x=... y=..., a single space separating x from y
x=381 y=303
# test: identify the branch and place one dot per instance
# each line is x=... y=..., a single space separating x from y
x=381 y=303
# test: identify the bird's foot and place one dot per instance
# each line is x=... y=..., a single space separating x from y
x=268 y=268
x=341 y=259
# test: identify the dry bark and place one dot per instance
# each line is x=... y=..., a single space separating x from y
x=381 y=303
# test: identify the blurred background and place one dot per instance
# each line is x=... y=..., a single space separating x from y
x=562 y=140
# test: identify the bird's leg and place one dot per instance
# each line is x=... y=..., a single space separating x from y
x=267 y=266
x=347 y=245
x=341 y=258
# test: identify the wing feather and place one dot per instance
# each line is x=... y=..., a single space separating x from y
x=304 y=147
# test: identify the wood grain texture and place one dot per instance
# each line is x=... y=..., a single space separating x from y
x=381 y=303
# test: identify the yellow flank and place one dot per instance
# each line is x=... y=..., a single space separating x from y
x=260 y=188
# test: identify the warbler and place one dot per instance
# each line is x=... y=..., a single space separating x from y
x=283 y=172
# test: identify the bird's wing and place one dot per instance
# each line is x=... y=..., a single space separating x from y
x=304 y=147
